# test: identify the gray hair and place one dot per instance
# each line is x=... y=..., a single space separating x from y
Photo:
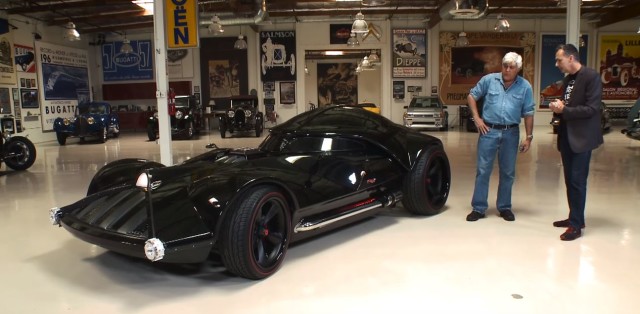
x=513 y=58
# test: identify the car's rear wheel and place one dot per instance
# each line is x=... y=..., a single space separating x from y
x=255 y=235
x=426 y=187
x=62 y=138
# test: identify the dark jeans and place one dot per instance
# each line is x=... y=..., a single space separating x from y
x=576 y=171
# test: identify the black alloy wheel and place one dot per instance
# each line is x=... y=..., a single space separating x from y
x=255 y=234
x=426 y=186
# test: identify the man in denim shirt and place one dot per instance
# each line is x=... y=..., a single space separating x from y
x=507 y=98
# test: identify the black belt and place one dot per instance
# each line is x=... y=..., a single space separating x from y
x=501 y=126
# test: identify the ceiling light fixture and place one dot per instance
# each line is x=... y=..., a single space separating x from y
x=240 y=43
x=462 y=40
x=215 y=27
x=70 y=33
x=360 y=26
x=372 y=3
x=353 y=40
x=502 y=25
x=374 y=59
x=126 y=47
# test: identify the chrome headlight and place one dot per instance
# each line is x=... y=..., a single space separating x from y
x=155 y=115
x=231 y=114
x=247 y=113
x=143 y=181
x=54 y=216
x=154 y=249
x=179 y=115
x=91 y=120
x=66 y=121
x=405 y=115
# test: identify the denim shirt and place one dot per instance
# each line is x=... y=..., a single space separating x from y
x=504 y=106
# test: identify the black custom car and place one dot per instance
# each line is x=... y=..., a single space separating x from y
x=322 y=169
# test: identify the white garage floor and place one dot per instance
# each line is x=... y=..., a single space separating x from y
x=393 y=263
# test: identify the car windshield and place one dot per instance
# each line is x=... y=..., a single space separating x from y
x=424 y=103
x=310 y=144
x=93 y=109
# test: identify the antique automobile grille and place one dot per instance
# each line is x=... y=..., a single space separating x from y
x=83 y=125
x=239 y=117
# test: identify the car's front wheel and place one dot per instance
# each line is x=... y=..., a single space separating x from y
x=151 y=133
x=426 y=186
x=255 y=234
x=62 y=138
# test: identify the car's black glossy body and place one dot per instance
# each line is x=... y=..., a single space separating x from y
x=243 y=115
x=186 y=119
x=320 y=170
x=94 y=119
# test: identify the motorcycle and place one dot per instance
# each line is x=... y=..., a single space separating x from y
x=17 y=152
x=632 y=130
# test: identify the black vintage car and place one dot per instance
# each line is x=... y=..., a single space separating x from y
x=186 y=119
x=92 y=119
x=243 y=115
x=320 y=170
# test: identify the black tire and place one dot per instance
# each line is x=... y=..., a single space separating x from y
x=20 y=153
x=62 y=138
x=151 y=133
x=104 y=136
x=426 y=187
x=259 y=127
x=255 y=235
x=190 y=130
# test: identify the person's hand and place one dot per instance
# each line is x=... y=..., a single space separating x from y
x=482 y=128
x=524 y=146
x=556 y=106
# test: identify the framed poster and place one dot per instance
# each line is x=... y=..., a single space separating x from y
x=5 y=101
x=337 y=84
x=288 y=93
x=278 y=56
x=29 y=98
x=409 y=53
x=550 y=77
x=617 y=56
x=398 y=89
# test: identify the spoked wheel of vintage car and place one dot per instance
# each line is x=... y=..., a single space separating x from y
x=62 y=138
x=20 y=153
x=426 y=187
x=255 y=234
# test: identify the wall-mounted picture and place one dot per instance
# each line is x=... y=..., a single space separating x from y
x=23 y=82
x=287 y=92
x=29 y=98
x=337 y=84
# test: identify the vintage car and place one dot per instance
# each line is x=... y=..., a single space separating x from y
x=426 y=112
x=605 y=120
x=186 y=119
x=18 y=152
x=632 y=129
x=91 y=119
x=242 y=115
x=318 y=171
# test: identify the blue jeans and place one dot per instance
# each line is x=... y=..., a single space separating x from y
x=503 y=143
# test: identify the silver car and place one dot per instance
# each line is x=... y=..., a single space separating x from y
x=426 y=112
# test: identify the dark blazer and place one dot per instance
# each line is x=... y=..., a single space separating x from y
x=583 y=113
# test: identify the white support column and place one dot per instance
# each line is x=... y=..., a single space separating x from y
x=573 y=22
x=162 y=83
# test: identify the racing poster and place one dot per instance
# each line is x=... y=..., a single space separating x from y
x=550 y=76
x=619 y=57
x=278 y=56
x=7 y=70
x=462 y=67
x=409 y=53
x=65 y=80
x=25 y=59
x=133 y=66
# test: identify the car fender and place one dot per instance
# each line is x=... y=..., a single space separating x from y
x=120 y=172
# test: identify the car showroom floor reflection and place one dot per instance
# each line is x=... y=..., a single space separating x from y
x=393 y=262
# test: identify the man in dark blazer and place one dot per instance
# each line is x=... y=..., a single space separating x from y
x=579 y=132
